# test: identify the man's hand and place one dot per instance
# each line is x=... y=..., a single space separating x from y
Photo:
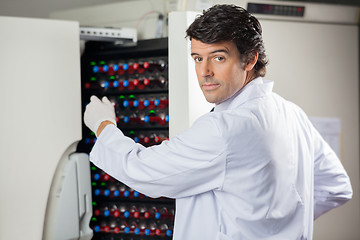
x=98 y=111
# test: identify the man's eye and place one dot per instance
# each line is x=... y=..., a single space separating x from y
x=197 y=59
x=219 y=59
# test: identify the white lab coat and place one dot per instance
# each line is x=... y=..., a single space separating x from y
x=255 y=168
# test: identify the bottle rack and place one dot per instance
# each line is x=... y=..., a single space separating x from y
x=135 y=79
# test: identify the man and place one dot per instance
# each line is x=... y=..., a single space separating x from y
x=254 y=168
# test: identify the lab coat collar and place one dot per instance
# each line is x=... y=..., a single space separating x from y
x=254 y=89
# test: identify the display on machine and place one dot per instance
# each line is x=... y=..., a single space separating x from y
x=276 y=9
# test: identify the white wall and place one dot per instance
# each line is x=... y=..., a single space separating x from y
x=42 y=8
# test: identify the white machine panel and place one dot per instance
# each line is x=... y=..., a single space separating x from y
x=186 y=101
x=315 y=65
x=40 y=107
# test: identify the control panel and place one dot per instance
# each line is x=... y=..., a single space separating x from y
x=135 y=79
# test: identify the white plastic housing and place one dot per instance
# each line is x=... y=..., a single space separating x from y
x=40 y=108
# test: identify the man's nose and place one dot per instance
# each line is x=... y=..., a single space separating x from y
x=206 y=69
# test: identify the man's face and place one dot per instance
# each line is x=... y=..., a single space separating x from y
x=218 y=68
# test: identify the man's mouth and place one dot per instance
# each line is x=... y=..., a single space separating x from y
x=210 y=86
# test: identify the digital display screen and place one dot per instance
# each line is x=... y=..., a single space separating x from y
x=272 y=9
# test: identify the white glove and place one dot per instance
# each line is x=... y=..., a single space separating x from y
x=98 y=111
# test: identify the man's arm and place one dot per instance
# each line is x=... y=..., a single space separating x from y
x=186 y=165
x=102 y=126
x=332 y=187
x=189 y=164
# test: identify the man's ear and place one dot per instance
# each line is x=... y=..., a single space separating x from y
x=250 y=65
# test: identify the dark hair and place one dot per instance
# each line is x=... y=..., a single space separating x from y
x=231 y=23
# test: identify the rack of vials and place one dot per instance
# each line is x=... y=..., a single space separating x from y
x=135 y=79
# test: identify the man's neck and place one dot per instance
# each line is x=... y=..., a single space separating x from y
x=249 y=77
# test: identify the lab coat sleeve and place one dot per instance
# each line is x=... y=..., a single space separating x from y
x=332 y=186
x=191 y=163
